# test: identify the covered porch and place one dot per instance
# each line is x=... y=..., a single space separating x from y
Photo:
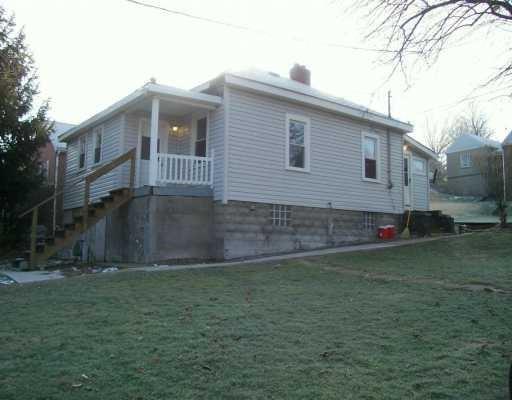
x=171 y=131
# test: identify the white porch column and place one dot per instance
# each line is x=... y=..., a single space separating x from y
x=153 y=149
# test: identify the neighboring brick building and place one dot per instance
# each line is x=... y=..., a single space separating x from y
x=53 y=161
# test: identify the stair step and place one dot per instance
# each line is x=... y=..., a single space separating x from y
x=60 y=233
x=99 y=205
x=107 y=199
x=120 y=191
x=72 y=226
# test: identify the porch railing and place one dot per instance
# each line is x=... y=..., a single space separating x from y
x=183 y=169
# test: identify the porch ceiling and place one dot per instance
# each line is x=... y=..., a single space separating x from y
x=173 y=102
x=170 y=108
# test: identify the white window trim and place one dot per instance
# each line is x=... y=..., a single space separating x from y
x=377 y=137
x=94 y=133
x=423 y=162
x=84 y=137
x=307 y=146
x=193 y=133
x=470 y=161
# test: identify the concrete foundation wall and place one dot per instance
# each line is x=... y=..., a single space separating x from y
x=160 y=228
x=245 y=229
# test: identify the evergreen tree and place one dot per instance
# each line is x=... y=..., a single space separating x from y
x=23 y=129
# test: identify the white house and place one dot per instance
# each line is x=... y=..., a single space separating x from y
x=248 y=163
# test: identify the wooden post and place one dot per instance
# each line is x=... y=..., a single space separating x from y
x=33 y=237
x=86 y=203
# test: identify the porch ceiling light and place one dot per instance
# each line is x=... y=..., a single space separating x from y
x=178 y=131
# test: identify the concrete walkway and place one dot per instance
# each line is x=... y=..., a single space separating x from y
x=40 y=276
x=32 y=276
x=290 y=256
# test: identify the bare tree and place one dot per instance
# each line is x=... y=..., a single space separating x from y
x=422 y=28
x=437 y=138
x=490 y=164
x=473 y=122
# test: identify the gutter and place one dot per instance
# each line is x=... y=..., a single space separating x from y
x=310 y=100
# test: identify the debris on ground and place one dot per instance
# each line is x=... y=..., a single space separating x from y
x=5 y=280
x=110 y=269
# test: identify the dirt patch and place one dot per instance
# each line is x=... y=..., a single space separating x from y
x=473 y=287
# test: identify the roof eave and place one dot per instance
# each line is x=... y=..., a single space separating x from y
x=366 y=115
x=164 y=92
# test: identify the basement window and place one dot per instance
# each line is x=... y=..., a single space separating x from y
x=369 y=221
x=281 y=215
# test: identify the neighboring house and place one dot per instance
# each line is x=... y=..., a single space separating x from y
x=52 y=158
x=248 y=163
x=465 y=159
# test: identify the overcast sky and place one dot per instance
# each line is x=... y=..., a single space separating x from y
x=90 y=53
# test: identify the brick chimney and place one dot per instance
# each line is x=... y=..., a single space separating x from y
x=301 y=74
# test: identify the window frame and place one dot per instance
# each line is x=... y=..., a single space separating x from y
x=84 y=138
x=365 y=135
x=423 y=162
x=100 y=129
x=307 y=142
x=281 y=215
x=369 y=221
x=469 y=160
x=196 y=140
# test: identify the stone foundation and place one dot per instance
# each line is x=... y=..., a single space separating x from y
x=245 y=229
x=161 y=228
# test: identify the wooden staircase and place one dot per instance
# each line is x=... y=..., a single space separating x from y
x=84 y=218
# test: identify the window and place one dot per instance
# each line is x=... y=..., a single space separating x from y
x=200 y=145
x=82 y=151
x=465 y=159
x=281 y=215
x=406 y=171
x=419 y=166
x=145 y=140
x=297 y=143
x=369 y=221
x=98 y=140
x=370 y=152
x=145 y=147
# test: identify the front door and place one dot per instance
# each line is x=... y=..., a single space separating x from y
x=407 y=182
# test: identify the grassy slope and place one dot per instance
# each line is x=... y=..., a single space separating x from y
x=299 y=329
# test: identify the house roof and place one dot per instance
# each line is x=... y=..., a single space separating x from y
x=508 y=140
x=419 y=147
x=471 y=142
x=275 y=85
x=58 y=129
x=150 y=89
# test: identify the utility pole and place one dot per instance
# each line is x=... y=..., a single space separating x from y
x=389 y=103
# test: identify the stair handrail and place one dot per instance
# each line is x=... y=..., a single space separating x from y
x=104 y=169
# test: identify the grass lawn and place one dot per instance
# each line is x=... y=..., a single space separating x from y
x=374 y=325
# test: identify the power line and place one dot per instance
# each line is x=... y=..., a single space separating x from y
x=248 y=28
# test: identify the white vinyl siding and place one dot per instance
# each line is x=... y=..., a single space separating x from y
x=257 y=144
x=74 y=184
